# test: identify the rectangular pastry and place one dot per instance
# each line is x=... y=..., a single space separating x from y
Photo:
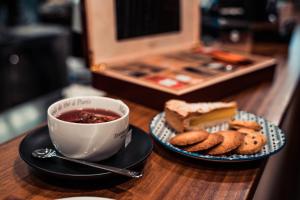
x=182 y=116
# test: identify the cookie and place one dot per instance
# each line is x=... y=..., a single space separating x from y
x=245 y=131
x=253 y=143
x=188 y=138
x=264 y=138
x=237 y=124
x=231 y=141
x=212 y=140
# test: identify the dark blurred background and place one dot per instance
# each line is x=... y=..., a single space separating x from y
x=41 y=47
x=40 y=54
x=36 y=42
x=40 y=40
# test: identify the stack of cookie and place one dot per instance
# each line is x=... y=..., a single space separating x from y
x=244 y=137
x=253 y=141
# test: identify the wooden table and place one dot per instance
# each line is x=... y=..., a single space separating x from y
x=166 y=175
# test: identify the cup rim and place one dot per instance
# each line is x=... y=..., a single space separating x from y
x=88 y=124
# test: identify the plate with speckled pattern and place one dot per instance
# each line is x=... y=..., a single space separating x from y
x=276 y=139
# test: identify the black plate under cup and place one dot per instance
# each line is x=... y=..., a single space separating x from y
x=133 y=155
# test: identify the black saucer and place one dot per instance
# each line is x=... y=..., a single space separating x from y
x=132 y=156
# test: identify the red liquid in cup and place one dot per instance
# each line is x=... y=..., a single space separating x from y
x=88 y=116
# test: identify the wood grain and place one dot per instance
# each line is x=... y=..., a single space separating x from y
x=167 y=175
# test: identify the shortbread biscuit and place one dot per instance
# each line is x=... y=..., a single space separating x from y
x=188 y=138
x=212 y=140
x=232 y=140
x=237 y=124
x=253 y=143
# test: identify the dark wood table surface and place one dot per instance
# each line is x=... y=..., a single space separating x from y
x=166 y=175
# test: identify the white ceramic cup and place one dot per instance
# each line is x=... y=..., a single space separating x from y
x=93 y=142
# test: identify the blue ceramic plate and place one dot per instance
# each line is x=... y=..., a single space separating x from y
x=275 y=138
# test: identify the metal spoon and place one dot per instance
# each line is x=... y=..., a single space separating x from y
x=49 y=153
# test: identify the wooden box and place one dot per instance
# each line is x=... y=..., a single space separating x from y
x=149 y=51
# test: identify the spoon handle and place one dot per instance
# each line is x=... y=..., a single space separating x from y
x=125 y=172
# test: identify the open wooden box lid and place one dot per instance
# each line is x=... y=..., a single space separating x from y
x=102 y=37
x=105 y=20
